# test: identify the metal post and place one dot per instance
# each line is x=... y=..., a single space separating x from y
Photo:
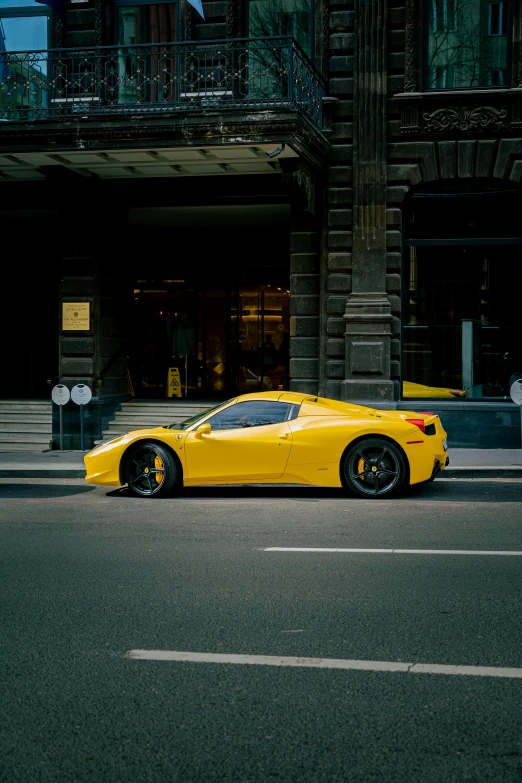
x=61 y=427
x=262 y=334
x=521 y=426
x=81 y=428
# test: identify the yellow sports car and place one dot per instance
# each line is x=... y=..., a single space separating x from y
x=277 y=438
x=417 y=390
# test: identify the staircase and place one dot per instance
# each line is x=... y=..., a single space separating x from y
x=25 y=425
x=138 y=415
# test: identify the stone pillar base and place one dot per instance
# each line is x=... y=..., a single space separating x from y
x=369 y=391
x=369 y=326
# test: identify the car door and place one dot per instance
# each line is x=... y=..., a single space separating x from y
x=248 y=441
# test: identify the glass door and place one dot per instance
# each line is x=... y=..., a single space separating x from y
x=263 y=337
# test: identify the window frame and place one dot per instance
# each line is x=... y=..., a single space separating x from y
x=291 y=414
x=502 y=16
x=29 y=11
x=420 y=44
x=132 y=3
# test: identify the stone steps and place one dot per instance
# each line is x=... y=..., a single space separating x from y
x=25 y=425
x=142 y=415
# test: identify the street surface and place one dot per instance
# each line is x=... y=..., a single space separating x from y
x=90 y=576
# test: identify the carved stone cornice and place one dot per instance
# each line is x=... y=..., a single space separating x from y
x=57 y=30
x=231 y=19
x=189 y=22
x=410 y=54
x=450 y=119
x=167 y=131
x=325 y=13
x=98 y=22
x=462 y=113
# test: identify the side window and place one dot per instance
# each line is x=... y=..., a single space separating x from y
x=467 y=44
x=252 y=414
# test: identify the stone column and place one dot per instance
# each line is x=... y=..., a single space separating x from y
x=368 y=318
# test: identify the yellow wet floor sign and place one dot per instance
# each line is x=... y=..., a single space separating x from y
x=174 y=383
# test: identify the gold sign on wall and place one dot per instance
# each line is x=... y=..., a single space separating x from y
x=76 y=316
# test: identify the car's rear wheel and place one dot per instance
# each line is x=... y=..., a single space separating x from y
x=151 y=470
x=374 y=468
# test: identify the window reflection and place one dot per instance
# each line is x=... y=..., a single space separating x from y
x=252 y=414
x=146 y=74
x=282 y=17
x=467 y=44
x=24 y=33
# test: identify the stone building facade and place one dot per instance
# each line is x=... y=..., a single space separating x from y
x=367 y=133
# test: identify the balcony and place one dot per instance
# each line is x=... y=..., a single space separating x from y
x=160 y=79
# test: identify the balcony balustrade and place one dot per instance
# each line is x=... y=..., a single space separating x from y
x=233 y=74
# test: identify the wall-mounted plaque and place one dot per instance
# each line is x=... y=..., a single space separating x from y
x=76 y=316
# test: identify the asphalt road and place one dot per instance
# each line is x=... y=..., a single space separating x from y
x=89 y=575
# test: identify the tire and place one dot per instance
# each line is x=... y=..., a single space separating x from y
x=151 y=471
x=374 y=468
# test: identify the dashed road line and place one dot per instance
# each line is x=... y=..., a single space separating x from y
x=477 y=552
x=326 y=663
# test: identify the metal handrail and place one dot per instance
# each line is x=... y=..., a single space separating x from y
x=161 y=77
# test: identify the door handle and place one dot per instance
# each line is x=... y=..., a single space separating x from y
x=284 y=437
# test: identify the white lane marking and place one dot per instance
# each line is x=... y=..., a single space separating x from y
x=324 y=663
x=393 y=551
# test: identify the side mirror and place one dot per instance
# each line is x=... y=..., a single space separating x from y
x=203 y=429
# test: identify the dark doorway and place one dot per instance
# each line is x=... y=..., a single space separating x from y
x=462 y=266
x=210 y=297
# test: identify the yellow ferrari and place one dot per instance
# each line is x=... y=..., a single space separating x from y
x=418 y=390
x=277 y=438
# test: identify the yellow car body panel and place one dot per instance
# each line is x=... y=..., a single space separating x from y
x=305 y=450
x=418 y=390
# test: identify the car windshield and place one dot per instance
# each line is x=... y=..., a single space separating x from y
x=186 y=423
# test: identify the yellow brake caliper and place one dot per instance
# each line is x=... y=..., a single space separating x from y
x=158 y=464
x=360 y=468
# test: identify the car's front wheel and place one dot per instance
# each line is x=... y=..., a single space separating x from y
x=151 y=470
x=374 y=468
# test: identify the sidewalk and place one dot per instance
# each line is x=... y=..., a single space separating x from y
x=464 y=463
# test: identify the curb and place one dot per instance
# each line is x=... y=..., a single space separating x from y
x=513 y=472
x=43 y=473
x=509 y=471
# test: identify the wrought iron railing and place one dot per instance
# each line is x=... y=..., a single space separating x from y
x=165 y=77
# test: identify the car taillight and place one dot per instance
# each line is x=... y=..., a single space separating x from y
x=426 y=413
x=420 y=423
x=457 y=392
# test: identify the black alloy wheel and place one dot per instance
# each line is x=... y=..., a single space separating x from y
x=374 y=468
x=151 y=470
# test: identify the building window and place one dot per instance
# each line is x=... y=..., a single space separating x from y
x=467 y=44
x=24 y=26
x=282 y=17
x=442 y=15
x=497 y=77
x=442 y=77
x=497 y=22
x=146 y=23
